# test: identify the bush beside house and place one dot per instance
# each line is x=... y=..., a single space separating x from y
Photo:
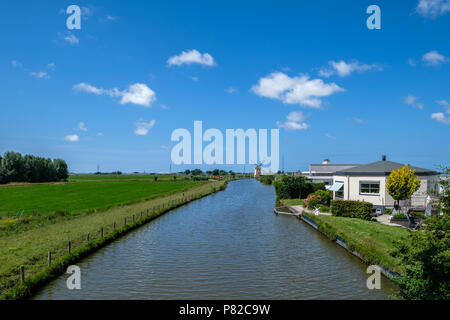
x=352 y=209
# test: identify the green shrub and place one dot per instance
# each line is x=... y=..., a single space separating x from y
x=295 y=187
x=323 y=208
x=418 y=214
x=267 y=179
x=387 y=211
x=400 y=216
x=325 y=195
x=352 y=209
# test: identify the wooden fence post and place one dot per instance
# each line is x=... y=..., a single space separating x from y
x=101 y=232
x=87 y=237
x=125 y=221
x=49 y=258
x=133 y=218
x=70 y=247
x=114 y=226
x=22 y=274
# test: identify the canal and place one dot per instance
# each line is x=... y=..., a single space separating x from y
x=228 y=245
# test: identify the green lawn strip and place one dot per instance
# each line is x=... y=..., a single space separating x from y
x=83 y=196
x=30 y=248
x=374 y=241
x=291 y=202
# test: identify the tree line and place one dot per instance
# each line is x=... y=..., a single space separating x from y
x=17 y=168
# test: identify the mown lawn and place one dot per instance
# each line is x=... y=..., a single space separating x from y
x=75 y=197
x=373 y=240
x=292 y=202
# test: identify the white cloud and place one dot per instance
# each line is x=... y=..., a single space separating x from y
x=72 y=138
x=142 y=127
x=82 y=126
x=433 y=8
x=191 y=56
x=296 y=90
x=344 y=69
x=137 y=93
x=412 y=101
x=440 y=117
x=100 y=134
x=295 y=121
x=433 y=58
x=40 y=75
x=194 y=78
x=165 y=147
x=71 y=38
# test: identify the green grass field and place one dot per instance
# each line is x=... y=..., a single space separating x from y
x=89 y=193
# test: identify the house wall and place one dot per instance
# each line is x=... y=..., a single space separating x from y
x=352 y=190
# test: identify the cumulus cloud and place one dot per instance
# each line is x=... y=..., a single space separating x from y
x=137 y=93
x=344 y=69
x=295 y=90
x=433 y=8
x=72 y=138
x=433 y=58
x=412 y=101
x=440 y=116
x=357 y=120
x=190 y=57
x=142 y=127
x=294 y=121
x=82 y=126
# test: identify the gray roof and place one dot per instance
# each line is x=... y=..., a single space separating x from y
x=382 y=168
x=329 y=168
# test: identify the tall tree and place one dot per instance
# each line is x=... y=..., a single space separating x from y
x=402 y=183
x=62 y=171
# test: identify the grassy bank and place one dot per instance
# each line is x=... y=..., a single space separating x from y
x=30 y=248
x=374 y=241
x=82 y=196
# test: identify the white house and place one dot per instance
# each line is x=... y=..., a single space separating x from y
x=324 y=172
x=368 y=183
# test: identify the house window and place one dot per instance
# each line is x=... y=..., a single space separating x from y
x=340 y=193
x=369 y=187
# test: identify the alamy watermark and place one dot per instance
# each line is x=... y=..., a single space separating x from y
x=374 y=280
x=74 y=281
x=215 y=153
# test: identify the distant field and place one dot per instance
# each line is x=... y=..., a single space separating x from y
x=88 y=195
x=87 y=177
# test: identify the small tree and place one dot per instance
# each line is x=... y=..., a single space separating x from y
x=402 y=184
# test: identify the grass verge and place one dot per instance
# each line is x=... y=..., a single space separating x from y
x=374 y=241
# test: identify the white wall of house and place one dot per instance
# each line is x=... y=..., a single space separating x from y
x=354 y=191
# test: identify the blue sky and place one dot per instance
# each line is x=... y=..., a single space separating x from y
x=335 y=88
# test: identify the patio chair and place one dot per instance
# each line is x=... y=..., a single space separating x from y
x=413 y=224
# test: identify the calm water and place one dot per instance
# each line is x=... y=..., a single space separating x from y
x=228 y=245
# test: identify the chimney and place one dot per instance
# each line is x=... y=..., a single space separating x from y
x=383 y=158
x=326 y=161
